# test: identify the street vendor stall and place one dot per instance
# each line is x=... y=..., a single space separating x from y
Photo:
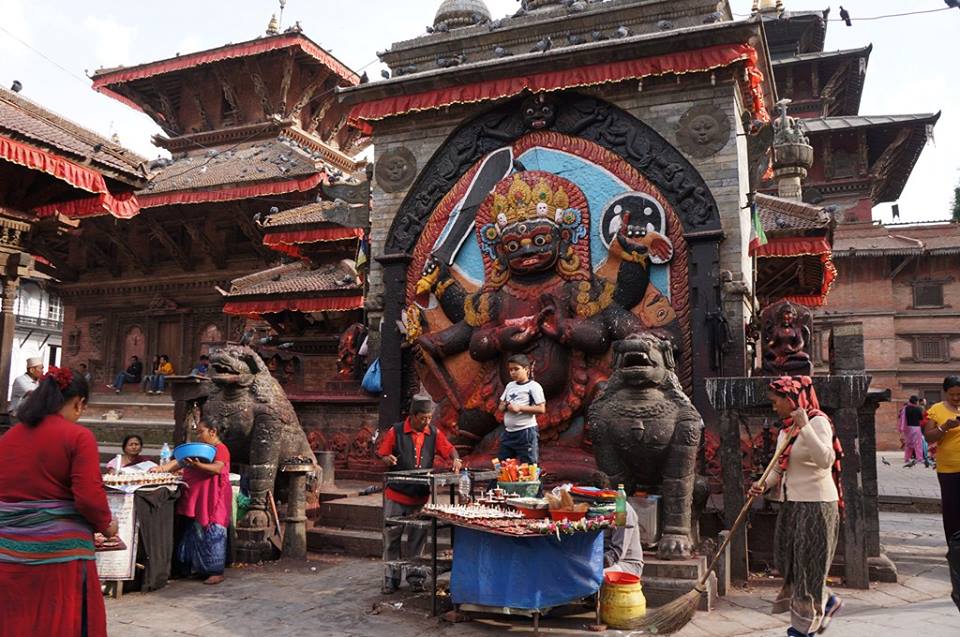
x=505 y=562
x=143 y=505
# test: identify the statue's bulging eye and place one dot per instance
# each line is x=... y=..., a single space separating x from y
x=530 y=112
x=540 y=239
x=513 y=246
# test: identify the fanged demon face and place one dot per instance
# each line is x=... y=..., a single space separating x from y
x=234 y=365
x=538 y=112
x=530 y=246
x=643 y=360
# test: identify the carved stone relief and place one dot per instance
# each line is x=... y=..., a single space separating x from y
x=703 y=130
x=396 y=169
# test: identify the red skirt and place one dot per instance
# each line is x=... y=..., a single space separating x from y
x=48 y=599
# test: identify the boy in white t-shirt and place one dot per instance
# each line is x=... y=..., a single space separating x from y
x=521 y=401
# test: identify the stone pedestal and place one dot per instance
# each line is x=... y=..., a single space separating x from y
x=295 y=522
x=253 y=545
x=666 y=580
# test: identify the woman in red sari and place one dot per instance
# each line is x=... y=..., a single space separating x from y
x=51 y=502
x=204 y=510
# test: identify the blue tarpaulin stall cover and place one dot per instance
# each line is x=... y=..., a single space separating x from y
x=525 y=572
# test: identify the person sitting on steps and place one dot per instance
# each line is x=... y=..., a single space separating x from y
x=164 y=369
x=132 y=374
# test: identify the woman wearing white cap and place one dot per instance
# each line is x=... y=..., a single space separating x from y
x=26 y=383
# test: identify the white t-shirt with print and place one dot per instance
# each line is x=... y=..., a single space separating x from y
x=529 y=393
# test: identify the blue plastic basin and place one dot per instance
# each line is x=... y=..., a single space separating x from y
x=199 y=450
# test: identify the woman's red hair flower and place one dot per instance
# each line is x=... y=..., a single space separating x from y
x=62 y=376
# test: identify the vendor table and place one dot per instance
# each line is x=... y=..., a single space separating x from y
x=434 y=480
x=525 y=573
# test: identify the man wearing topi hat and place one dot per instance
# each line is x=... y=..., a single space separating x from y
x=26 y=383
x=409 y=444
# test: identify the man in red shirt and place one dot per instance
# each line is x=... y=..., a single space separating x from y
x=410 y=444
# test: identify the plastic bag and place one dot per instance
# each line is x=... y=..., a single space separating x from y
x=371 y=380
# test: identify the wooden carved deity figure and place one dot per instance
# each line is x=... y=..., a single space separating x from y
x=786 y=339
x=539 y=296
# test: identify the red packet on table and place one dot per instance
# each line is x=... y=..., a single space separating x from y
x=101 y=543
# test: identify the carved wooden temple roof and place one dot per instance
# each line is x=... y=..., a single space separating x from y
x=823 y=83
x=795 y=32
x=296 y=287
x=338 y=213
x=796 y=262
x=249 y=163
x=240 y=92
x=784 y=217
x=887 y=149
x=50 y=164
x=26 y=120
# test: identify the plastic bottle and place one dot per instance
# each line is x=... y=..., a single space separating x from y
x=165 y=454
x=119 y=462
x=620 y=516
x=463 y=486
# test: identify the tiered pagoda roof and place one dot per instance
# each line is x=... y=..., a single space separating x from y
x=823 y=83
x=859 y=160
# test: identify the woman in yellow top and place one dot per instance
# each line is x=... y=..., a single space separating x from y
x=943 y=428
x=159 y=379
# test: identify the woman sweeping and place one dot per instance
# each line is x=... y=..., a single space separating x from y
x=51 y=502
x=203 y=512
x=808 y=484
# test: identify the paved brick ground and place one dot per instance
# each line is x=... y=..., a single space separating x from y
x=332 y=595
x=893 y=479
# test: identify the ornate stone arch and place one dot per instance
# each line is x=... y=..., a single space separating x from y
x=579 y=116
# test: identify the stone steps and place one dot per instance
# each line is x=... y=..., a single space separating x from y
x=112 y=432
x=361 y=512
x=361 y=543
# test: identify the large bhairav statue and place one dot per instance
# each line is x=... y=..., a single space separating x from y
x=260 y=426
x=646 y=433
x=540 y=296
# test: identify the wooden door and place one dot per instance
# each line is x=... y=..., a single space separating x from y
x=169 y=342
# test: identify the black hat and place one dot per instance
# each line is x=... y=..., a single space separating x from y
x=421 y=404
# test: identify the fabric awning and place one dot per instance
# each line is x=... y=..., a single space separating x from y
x=786 y=247
x=54 y=165
x=123 y=206
x=288 y=242
x=695 y=61
x=314 y=235
x=148 y=200
x=340 y=303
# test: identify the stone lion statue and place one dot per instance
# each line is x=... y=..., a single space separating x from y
x=646 y=433
x=257 y=422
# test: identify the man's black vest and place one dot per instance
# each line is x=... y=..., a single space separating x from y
x=406 y=455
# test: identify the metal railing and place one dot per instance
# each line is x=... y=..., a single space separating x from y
x=36 y=321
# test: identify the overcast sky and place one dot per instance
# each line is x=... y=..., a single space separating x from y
x=912 y=69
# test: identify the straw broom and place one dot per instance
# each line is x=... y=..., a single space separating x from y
x=672 y=617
